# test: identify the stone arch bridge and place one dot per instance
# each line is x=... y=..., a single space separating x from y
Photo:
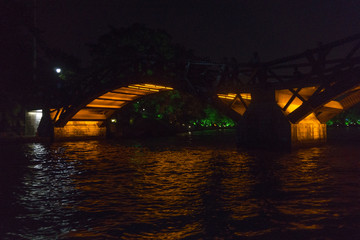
x=282 y=102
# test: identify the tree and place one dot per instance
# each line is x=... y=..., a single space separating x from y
x=16 y=52
x=27 y=79
x=16 y=64
x=137 y=54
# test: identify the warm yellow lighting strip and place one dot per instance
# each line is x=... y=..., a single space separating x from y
x=246 y=96
x=119 y=96
x=154 y=86
x=130 y=91
x=231 y=96
x=228 y=96
x=53 y=113
x=125 y=94
x=143 y=88
x=150 y=87
x=116 y=99
x=103 y=106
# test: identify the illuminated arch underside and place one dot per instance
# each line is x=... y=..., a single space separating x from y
x=240 y=102
x=102 y=107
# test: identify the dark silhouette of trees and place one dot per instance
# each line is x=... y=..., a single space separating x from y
x=135 y=54
x=16 y=54
x=16 y=63
x=27 y=77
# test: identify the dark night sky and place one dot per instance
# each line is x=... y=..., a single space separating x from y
x=214 y=28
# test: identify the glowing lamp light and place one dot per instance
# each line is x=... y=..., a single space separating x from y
x=37 y=114
x=58 y=70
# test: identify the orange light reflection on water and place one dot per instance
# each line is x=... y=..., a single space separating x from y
x=170 y=185
x=179 y=193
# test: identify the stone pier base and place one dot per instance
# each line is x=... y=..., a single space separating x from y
x=272 y=130
x=265 y=125
x=308 y=132
x=80 y=130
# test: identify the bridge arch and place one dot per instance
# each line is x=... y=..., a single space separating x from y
x=88 y=118
x=289 y=101
x=306 y=109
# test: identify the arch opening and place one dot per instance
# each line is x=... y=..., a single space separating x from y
x=89 y=120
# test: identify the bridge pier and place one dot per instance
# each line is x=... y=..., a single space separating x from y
x=309 y=131
x=74 y=130
x=265 y=125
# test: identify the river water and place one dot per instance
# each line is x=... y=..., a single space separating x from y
x=194 y=186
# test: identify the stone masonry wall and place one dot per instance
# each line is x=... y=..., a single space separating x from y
x=80 y=129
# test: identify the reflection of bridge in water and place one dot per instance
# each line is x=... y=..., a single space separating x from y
x=281 y=102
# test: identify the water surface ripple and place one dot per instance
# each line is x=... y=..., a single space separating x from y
x=199 y=186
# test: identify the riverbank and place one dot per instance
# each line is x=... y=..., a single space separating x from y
x=334 y=135
x=343 y=134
